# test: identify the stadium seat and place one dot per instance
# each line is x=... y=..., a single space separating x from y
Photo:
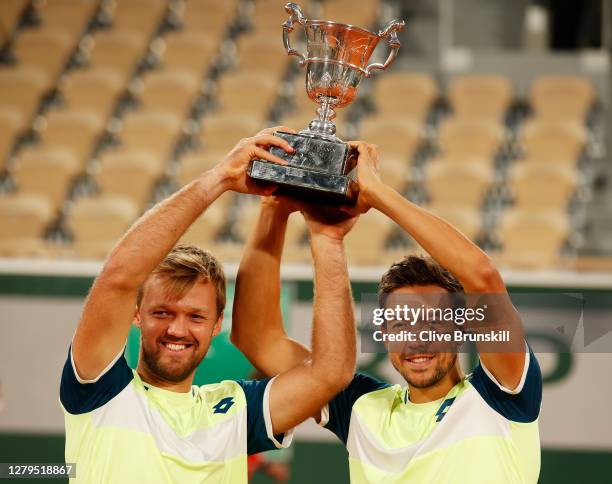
x=95 y=90
x=209 y=17
x=76 y=130
x=365 y=242
x=169 y=90
x=405 y=94
x=540 y=186
x=459 y=184
x=98 y=223
x=23 y=219
x=207 y=227
x=468 y=220
x=46 y=49
x=552 y=141
x=189 y=51
x=461 y=139
x=395 y=139
x=344 y=11
x=483 y=96
x=560 y=98
x=156 y=131
x=194 y=163
x=262 y=54
x=251 y=94
x=21 y=89
x=532 y=239
x=10 y=12
x=247 y=219
x=71 y=16
x=394 y=172
x=117 y=50
x=131 y=174
x=221 y=132
x=12 y=122
x=139 y=15
x=47 y=171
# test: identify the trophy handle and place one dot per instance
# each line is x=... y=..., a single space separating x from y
x=295 y=14
x=389 y=31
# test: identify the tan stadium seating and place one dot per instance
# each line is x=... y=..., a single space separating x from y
x=47 y=172
x=467 y=220
x=117 y=50
x=480 y=96
x=194 y=163
x=460 y=184
x=21 y=89
x=251 y=94
x=189 y=51
x=12 y=122
x=209 y=17
x=71 y=16
x=461 y=139
x=542 y=185
x=156 y=132
x=265 y=54
x=95 y=90
x=98 y=223
x=561 y=98
x=531 y=238
x=139 y=15
x=395 y=139
x=207 y=227
x=365 y=242
x=405 y=94
x=246 y=221
x=169 y=90
x=344 y=11
x=553 y=142
x=10 y=12
x=220 y=133
x=394 y=172
x=131 y=174
x=23 y=219
x=46 y=49
x=75 y=130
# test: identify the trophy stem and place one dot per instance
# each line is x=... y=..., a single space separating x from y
x=323 y=125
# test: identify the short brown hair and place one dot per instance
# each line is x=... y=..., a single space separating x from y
x=414 y=270
x=183 y=266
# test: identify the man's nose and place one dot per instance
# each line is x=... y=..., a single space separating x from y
x=178 y=327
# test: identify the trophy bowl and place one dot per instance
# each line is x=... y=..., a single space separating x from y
x=336 y=61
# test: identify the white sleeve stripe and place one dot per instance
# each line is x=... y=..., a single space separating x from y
x=521 y=384
x=106 y=370
x=288 y=435
x=324 y=419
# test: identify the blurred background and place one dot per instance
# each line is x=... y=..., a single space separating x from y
x=496 y=116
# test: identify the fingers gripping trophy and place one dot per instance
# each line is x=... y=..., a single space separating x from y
x=336 y=61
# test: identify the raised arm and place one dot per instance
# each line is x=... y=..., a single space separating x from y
x=110 y=306
x=459 y=255
x=302 y=391
x=257 y=322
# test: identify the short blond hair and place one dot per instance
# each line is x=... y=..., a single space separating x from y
x=182 y=268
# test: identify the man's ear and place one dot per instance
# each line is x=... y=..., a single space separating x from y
x=136 y=320
x=217 y=326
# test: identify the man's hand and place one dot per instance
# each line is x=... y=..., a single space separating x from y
x=368 y=177
x=333 y=225
x=232 y=171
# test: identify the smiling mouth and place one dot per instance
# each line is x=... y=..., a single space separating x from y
x=419 y=361
x=176 y=347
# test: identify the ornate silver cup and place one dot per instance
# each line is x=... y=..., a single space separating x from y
x=336 y=61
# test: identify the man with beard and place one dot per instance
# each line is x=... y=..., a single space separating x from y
x=150 y=425
x=443 y=426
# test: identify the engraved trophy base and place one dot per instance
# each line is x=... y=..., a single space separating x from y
x=318 y=171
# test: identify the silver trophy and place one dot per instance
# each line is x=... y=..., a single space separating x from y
x=336 y=61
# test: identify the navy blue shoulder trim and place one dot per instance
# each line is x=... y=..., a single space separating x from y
x=341 y=406
x=523 y=406
x=78 y=398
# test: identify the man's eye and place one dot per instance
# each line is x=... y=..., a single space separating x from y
x=197 y=316
x=160 y=313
